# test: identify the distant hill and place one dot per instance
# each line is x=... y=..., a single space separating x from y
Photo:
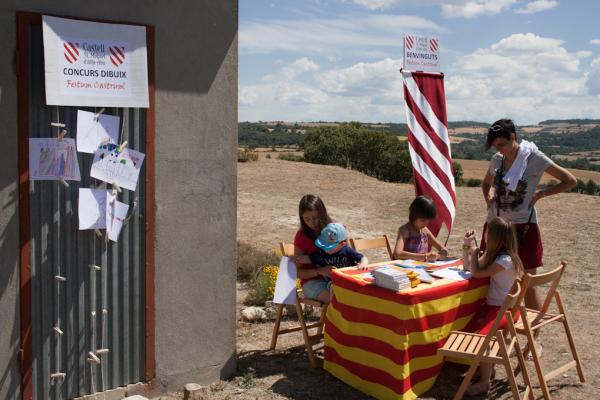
x=571 y=121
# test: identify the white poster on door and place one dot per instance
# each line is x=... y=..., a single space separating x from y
x=95 y=64
x=93 y=130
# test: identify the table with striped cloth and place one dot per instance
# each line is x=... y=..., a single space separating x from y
x=384 y=343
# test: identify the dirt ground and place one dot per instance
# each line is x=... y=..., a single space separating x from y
x=268 y=195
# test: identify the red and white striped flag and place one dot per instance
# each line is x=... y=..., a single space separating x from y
x=429 y=145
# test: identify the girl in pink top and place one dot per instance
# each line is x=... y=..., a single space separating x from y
x=414 y=239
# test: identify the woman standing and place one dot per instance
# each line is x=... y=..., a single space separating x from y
x=316 y=283
x=515 y=172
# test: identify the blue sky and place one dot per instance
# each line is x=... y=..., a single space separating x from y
x=338 y=60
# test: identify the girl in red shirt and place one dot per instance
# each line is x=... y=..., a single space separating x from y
x=313 y=218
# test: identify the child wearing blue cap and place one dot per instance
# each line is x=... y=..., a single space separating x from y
x=334 y=250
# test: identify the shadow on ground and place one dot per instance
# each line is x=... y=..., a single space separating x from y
x=294 y=379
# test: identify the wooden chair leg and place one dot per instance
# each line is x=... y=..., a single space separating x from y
x=465 y=383
x=570 y=338
x=538 y=364
x=523 y=368
x=322 y=319
x=276 y=327
x=311 y=356
x=510 y=376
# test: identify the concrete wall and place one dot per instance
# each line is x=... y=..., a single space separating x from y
x=196 y=141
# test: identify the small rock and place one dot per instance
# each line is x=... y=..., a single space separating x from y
x=271 y=310
x=290 y=309
x=193 y=391
x=252 y=314
x=135 y=397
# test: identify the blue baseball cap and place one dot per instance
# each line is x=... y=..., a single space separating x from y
x=332 y=235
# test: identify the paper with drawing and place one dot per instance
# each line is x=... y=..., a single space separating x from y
x=92 y=208
x=116 y=212
x=115 y=165
x=53 y=159
x=93 y=130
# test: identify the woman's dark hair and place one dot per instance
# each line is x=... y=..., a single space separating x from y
x=421 y=207
x=311 y=202
x=500 y=129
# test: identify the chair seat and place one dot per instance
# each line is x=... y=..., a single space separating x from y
x=466 y=345
x=536 y=319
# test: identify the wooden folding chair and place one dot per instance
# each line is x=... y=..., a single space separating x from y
x=309 y=339
x=532 y=320
x=495 y=347
x=375 y=243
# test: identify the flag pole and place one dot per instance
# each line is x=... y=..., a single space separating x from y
x=422 y=72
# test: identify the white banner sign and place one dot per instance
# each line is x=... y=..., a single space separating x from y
x=421 y=53
x=95 y=64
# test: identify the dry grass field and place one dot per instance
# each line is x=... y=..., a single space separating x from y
x=268 y=195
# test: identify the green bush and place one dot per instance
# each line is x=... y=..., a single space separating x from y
x=250 y=260
x=592 y=188
x=473 y=182
x=375 y=153
x=458 y=173
x=246 y=155
x=263 y=286
x=290 y=157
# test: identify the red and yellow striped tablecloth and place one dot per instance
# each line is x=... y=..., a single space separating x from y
x=385 y=343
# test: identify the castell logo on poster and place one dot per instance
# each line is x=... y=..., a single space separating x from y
x=409 y=42
x=433 y=45
x=117 y=55
x=71 y=51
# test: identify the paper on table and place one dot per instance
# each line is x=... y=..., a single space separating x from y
x=92 y=208
x=92 y=130
x=53 y=159
x=115 y=165
x=116 y=212
x=285 y=287
x=452 y=273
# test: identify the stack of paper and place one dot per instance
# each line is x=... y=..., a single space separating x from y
x=452 y=273
x=391 y=278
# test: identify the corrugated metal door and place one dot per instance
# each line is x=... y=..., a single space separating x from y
x=94 y=309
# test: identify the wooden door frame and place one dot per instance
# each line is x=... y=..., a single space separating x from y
x=23 y=22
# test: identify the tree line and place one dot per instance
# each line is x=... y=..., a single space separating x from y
x=375 y=153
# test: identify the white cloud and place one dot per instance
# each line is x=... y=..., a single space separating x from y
x=475 y=8
x=593 y=82
x=584 y=54
x=298 y=67
x=330 y=36
x=283 y=90
x=363 y=78
x=524 y=76
x=595 y=41
x=537 y=6
x=376 y=4
x=364 y=91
